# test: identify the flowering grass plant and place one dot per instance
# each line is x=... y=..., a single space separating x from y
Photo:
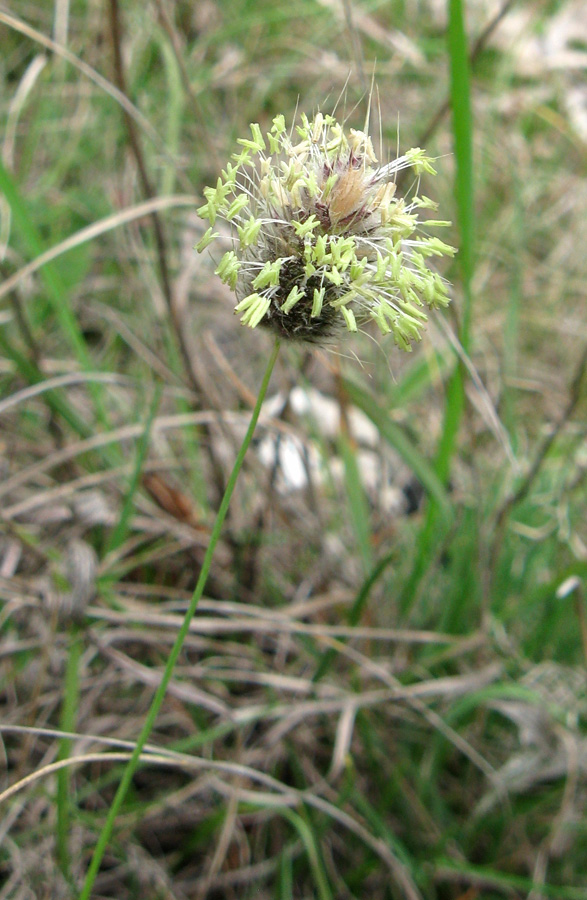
x=321 y=241
x=374 y=689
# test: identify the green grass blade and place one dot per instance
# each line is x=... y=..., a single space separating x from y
x=357 y=501
x=462 y=122
x=397 y=438
x=418 y=377
x=354 y=614
x=54 y=399
x=312 y=849
x=56 y=289
x=509 y=884
x=285 y=883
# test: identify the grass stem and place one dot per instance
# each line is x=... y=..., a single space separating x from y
x=133 y=762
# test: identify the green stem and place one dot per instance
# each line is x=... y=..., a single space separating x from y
x=133 y=762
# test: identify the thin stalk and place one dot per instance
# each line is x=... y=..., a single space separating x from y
x=133 y=762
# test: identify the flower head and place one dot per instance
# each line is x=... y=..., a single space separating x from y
x=320 y=238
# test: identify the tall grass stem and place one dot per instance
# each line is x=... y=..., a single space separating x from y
x=133 y=762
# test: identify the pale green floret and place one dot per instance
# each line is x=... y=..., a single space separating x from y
x=254 y=308
x=343 y=251
x=297 y=196
x=417 y=282
x=437 y=223
x=292 y=173
x=404 y=328
x=319 y=254
x=402 y=223
x=243 y=158
x=441 y=297
x=257 y=145
x=260 y=312
x=334 y=276
x=408 y=328
x=378 y=315
x=317 y=302
x=257 y=136
x=228 y=269
x=349 y=318
x=357 y=272
x=249 y=232
x=208 y=211
x=307 y=227
x=278 y=126
x=209 y=236
x=344 y=300
x=424 y=202
x=435 y=247
x=236 y=207
x=304 y=129
x=311 y=184
x=338 y=140
x=429 y=291
x=403 y=283
x=328 y=185
x=445 y=249
x=418 y=263
x=381 y=269
x=300 y=151
x=411 y=310
x=387 y=212
x=399 y=336
x=395 y=261
x=347 y=259
x=229 y=174
x=274 y=143
x=215 y=197
x=419 y=161
x=247 y=302
x=268 y=276
x=317 y=126
x=291 y=299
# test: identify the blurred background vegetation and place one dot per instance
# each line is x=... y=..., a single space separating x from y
x=383 y=694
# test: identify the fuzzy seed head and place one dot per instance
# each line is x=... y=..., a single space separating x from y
x=321 y=242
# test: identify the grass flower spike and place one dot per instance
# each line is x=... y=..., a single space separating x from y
x=321 y=241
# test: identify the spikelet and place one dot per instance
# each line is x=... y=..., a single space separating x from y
x=321 y=242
